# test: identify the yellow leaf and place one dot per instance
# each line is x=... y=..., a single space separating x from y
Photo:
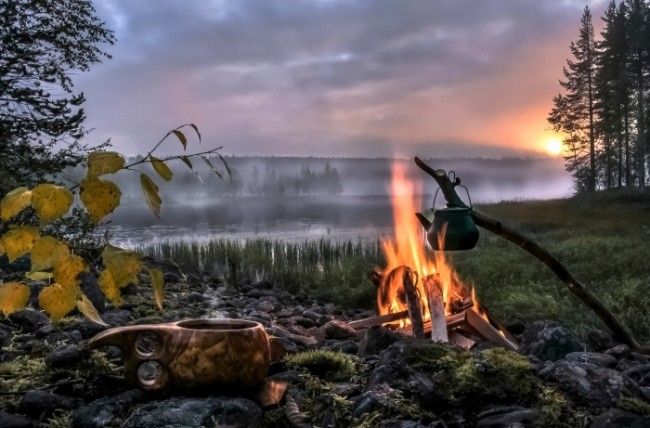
x=58 y=300
x=109 y=288
x=86 y=307
x=100 y=197
x=161 y=168
x=157 y=282
x=151 y=193
x=50 y=201
x=13 y=297
x=100 y=163
x=67 y=268
x=19 y=241
x=123 y=265
x=2 y=249
x=14 y=202
x=39 y=276
x=46 y=252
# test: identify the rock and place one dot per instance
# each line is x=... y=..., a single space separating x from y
x=509 y=416
x=316 y=316
x=640 y=373
x=619 y=351
x=303 y=321
x=117 y=317
x=107 y=411
x=5 y=336
x=90 y=288
x=196 y=297
x=39 y=404
x=262 y=285
x=28 y=320
x=64 y=356
x=596 y=358
x=614 y=418
x=376 y=339
x=589 y=384
x=548 y=341
x=7 y=420
x=367 y=402
x=196 y=412
x=600 y=341
x=336 y=329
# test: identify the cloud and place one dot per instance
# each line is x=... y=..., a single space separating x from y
x=332 y=77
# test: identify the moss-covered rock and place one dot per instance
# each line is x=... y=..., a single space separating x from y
x=328 y=365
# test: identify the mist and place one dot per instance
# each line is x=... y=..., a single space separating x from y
x=293 y=198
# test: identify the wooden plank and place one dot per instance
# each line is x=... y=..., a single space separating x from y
x=436 y=309
x=487 y=330
x=378 y=320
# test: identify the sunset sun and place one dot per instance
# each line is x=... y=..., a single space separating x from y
x=554 y=146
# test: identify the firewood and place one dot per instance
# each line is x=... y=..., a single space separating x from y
x=461 y=340
x=413 y=304
x=436 y=309
x=378 y=320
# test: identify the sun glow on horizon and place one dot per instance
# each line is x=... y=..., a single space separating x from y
x=553 y=145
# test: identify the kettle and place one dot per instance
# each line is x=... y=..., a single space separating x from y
x=452 y=229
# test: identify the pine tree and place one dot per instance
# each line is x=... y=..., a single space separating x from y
x=41 y=120
x=574 y=113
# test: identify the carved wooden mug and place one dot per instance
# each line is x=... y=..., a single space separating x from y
x=193 y=354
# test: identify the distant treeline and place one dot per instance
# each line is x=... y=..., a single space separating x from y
x=603 y=110
x=306 y=182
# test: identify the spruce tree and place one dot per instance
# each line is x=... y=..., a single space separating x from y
x=574 y=112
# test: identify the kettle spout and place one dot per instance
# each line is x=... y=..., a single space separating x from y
x=423 y=220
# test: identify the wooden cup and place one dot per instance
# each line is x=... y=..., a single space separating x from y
x=193 y=354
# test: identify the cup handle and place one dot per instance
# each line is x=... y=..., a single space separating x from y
x=277 y=349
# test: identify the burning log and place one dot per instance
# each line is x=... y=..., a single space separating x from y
x=436 y=309
x=413 y=302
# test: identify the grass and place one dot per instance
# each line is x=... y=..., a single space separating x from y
x=603 y=240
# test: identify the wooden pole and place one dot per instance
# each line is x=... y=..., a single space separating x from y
x=576 y=287
x=436 y=309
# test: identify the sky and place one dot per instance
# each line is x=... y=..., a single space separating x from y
x=362 y=78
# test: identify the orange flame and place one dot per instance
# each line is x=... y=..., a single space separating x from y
x=407 y=248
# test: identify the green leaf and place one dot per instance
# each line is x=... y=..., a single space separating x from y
x=181 y=138
x=196 y=129
x=161 y=168
x=151 y=193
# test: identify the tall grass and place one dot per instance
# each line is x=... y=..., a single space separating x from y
x=604 y=241
x=331 y=271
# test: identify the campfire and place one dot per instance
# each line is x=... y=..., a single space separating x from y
x=419 y=291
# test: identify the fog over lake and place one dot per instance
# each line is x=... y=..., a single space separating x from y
x=309 y=198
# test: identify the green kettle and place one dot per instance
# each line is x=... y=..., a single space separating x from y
x=452 y=229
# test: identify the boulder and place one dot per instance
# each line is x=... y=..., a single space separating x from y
x=599 y=340
x=618 y=418
x=596 y=358
x=28 y=320
x=548 y=341
x=90 y=288
x=336 y=329
x=107 y=411
x=589 y=384
x=179 y=412
x=64 y=356
x=506 y=416
x=7 y=420
x=376 y=339
x=39 y=404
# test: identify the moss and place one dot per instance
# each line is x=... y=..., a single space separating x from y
x=554 y=409
x=634 y=405
x=328 y=365
x=507 y=375
x=62 y=419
